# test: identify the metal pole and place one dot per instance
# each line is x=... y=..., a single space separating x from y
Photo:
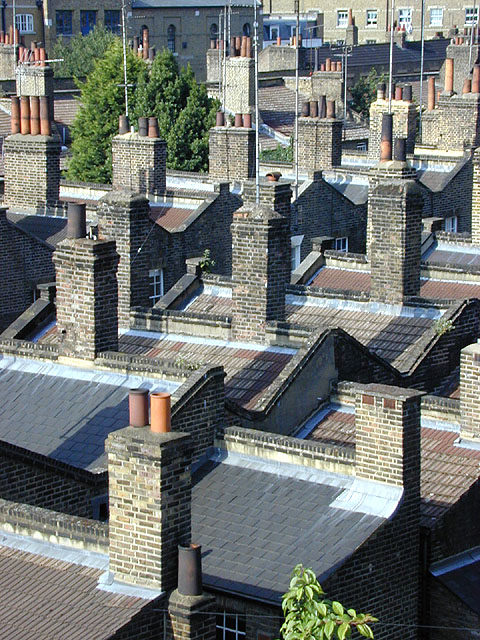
x=257 y=115
x=474 y=22
x=224 y=56
x=124 y=42
x=297 y=33
x=421 y=69
x=217 y=44
x=390 y=67
x=345 y=68
x=14 y=34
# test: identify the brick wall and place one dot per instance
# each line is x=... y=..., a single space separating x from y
x=34 y=81
x=87 y=297
x=139 y=163
x=24 y=262
x=319 y=143
x=43 y=482
x=454 y=124
x=125 y=218
x=150 y=498
x=450 y=612
x=277 y=195
x=330 y=85
x=404 y=125
x=470 y=391
x=32 y=172
x=191 y=617
x=476 y=198
x=231 y=153
x=260 y=270
x=396 y=213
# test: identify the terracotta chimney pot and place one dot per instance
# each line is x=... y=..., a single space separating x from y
x=160 y=411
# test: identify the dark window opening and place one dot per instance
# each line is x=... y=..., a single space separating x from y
x=113 y=21
x=171 y=38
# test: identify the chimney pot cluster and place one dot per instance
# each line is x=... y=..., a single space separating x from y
x=30 y=115
x=322 y=108
x=330 y=65
x=160 y=410
x=241 y=120
x=143 y=50
x=239 y=46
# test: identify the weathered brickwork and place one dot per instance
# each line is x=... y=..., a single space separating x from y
x=35 y=190
x=232 y=153
x=43 y=482
x=321 y=210
x=460 y=54
x=476 y=198
x=330 y=85
x=470 y=391
x=87 y=297
x=319 y=144
x=240 y=85
x=260 y=270
x=454 y=123
x=404 y=125
x=150 y=498
x=451 y=616
x=277 y=195
x=125 y=218
x=139 y=163
x=396 y=215
x=34 y=81
x=24 y=263
x=191 y=617
x=200 y=409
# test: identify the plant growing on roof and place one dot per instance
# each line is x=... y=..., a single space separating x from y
x=309 y=616
x=443 y=326
x=206 y=263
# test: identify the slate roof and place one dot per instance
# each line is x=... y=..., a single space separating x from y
x=49 y=599
x=192 y=4
x=461 y=575
x=351 y=280
x=48 y=229
x=447 y=470
x=455 y=256
x=254 y=528
x=91 y=405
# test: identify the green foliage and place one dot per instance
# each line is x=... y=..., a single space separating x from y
x=80 y=54
x=206 y=263
x=309 y=616
x=103 y=101
x=443 y=326
x=185 y=113
x=279 y=154
x=364 y=91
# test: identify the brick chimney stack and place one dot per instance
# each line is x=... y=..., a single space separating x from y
x=87 y=296
x=260 y=270
x=124 y=216
x=319 y=140
x=476 y=198
x=275 y=193
x=470 y=392
x=232 y=150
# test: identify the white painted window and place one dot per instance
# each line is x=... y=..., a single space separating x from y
x=24 y=22
x=436 y=17
x=471 y=15
x=372 y=18
x=361 y=146
x=274 y=33
x=342 y=18
x=156 y=285
x=404 y=17
x=341 y=244
x=296 y=243
x=451 y=224
x=230 y=626
x=367 y=41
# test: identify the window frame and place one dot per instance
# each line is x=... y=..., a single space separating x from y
x=171 y=38
x=156 y=283
x=434 y=23
x=341 y=244
x=343 y=22
x=89 y=26
x=452 y=222
x=401 y=20
x=371 y=25
x=117 y=27
x=63 y=13
x=474 y=17
x=240 y=634
x=28 y=20
x=296 y=247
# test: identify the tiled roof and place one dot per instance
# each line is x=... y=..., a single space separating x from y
x=249 y=372
x=254 y=526
x=444 y=255
x=170 y=218
x=65 y=108
x=350 y=280
x=67 y=415
x=49 y=599
x=447 y=471
x=277 y=107
x=48 y=229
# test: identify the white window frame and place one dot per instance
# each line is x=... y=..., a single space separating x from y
x=274 y=32
x=371 y=21
x=342 y=18
x=24 y=22
x=221 y=625
x=296 y=244
x=156 y=281
x=405 y=16
x=473 y=16
x=341 y=244
x=451 y=224
x=437 y=22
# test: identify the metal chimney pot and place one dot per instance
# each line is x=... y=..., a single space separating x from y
x=190 y=570
x=76 y=220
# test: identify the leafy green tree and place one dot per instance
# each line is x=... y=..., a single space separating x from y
x=280 y=153
x=81 y=53
x=309 y=616
x=102 y=102
x=364 y=91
